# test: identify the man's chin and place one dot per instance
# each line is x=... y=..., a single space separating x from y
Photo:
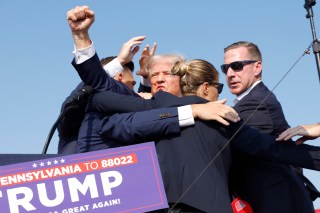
x=161 y=89
x=235 y=90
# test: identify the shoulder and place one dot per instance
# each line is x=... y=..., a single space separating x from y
x=261 y=93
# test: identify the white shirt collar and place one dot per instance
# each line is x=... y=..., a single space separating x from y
x=238 y=98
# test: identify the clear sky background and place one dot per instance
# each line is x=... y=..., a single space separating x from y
x=36 y=54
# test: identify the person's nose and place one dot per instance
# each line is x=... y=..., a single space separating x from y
x=230 y=72
x=160 y=77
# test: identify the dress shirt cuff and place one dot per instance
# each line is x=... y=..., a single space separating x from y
x=145 y=81
x=81 y=55
x=113 y=67
x=185 y=116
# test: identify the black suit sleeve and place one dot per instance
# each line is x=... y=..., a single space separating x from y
x=141 y=126
x=110 y=102
x=143 y=88
x=263 y=146
x=92 y=73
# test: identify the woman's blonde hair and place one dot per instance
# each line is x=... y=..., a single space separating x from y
x=193 y=73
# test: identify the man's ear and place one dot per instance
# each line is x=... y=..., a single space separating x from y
x=120 y=77
x=258 y=69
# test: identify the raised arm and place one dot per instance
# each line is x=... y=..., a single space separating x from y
x=86 y=62
x=80 y=19
x=146 y=56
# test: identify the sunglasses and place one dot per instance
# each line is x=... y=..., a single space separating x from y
x=220 y=86
x=236 y=66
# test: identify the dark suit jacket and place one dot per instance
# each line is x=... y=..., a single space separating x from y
x=89 y=138
x=109 y=130
x=132 y=128
x=199 y=196
x=268 y=187
x=269 y=117
x=68 y=128
x=76 y=122
x=185 y=156
x=143 y=88
x=204 y=141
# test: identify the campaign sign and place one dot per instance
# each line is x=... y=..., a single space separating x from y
x=124 y=179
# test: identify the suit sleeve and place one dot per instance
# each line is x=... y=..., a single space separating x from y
x=143 y=88
x=92 y=73
x=110 y=102
x=141 y=126
x=263 y=146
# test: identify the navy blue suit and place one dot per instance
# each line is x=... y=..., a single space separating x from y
x=68 y=128
x=185 y=156
x=133 y=129
x=89 y=138
x=109 y=129
x=78 y=123
x=268 y=187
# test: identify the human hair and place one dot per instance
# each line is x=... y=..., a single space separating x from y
x=252 y=48
x=193 y=73
x=106 y=60
x=129 y=65
x=164 y=58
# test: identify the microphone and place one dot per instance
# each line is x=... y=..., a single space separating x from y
x=79 y=96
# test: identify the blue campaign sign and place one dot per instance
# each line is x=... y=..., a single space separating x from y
x=124 y=179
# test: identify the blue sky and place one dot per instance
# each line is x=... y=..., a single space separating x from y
x=36 y=71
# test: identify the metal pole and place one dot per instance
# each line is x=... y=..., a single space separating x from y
x=316 y=44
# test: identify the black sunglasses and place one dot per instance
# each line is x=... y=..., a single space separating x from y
x=220 y=86
x=236 y=66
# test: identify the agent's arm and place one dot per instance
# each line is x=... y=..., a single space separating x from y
x=163 y=122
x=308 y=132
x=264 y=147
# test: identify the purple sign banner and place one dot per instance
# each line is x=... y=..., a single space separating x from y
x=124 y=179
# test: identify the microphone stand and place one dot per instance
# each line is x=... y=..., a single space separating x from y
x=316 y=46
x=54 y=127
x=76 y=102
